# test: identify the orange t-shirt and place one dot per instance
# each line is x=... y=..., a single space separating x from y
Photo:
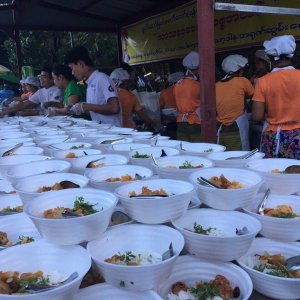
x=129 y=104
x=230 y=98
x=166 y=98
x=280 y=91
x=187 y=96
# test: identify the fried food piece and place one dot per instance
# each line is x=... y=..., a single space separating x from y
x=224 y=183
x=54 y=213
x=148 y=192
x=4 y=241
x=280 y=211
x=71 y=155
x=224 y=287
x=57 y=186
x=178 y=287
x=123 y=178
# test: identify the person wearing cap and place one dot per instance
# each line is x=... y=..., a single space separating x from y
x=73 y=92
x=101 y=96
x=129 y=102
x=262 y=65
x=49 y=95
x=277 y=99
x=231 y=93
x=187 y=97
x=25 y=94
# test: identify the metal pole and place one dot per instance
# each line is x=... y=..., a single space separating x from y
x=206 y=46
x=119 y=43
x=71 y=39
x=16 y=35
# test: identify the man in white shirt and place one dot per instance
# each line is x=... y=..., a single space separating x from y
x=101 y=97
x=48 y=95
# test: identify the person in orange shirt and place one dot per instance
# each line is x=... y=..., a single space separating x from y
x=231 y=93
x=277 y=99
x=167 y=102
x=128 y=101
x=187 y=96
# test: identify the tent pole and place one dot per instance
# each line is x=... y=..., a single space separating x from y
x=18 y=51
x=119 y=43
x=206 y=46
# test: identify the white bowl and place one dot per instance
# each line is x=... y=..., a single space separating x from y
x=97 y=177
x=70 y=146
x=160 y=210
x=49 y=132
x=219 y=158
x=23 y=150
x=125 y=148
x=18 y=225
x=190 y=270
x=136 y=238
x=268 y=285
x=155 y=151
x=283 y=184
x=79 y=164
x=164 y=171
x=167 y=143
x=282 y=229
x=52 y=139
x=17 y=135
x=72 y=230
x=27 y=187
x=6 y=186
x=118 y=130
x=38 y=167
x=61 y=154
x=93 y=137
x=48 y=258
x=98 y=142
x=221 y=248
x=202 y=149
x=10 y=161
x=16 y=141
x=107 y=291
x=228 y=199
x=9 y=200
x=8 y=144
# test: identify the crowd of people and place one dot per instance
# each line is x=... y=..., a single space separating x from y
x=77 y=88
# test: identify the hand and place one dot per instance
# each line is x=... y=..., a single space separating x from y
x=77 y=109
x=51 y=111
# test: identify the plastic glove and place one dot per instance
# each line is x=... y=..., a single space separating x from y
x=77 y=109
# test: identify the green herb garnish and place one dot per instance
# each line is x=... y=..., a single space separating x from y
x=186 y=165
x=209 y=150
x=42 y=281
x=200 y=230
x=127 y=257
x=207 y=290
x=138 y=155
x=22 y=238
x=287 y=215
x=86 y=207
x=77 y=147
x=273 y=270
x=122 y=283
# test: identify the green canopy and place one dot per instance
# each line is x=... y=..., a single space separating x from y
x=9 y=77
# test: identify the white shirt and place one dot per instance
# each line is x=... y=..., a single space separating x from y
x=53 y=93
x=99 y=89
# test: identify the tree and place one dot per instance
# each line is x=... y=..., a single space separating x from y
x=41 y=48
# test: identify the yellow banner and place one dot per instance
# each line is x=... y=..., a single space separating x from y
x=174 y=34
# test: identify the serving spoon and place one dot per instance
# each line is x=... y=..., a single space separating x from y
x=293 y=263
x=66 y=184
x=169 y=253
x=89 y=165
x=12 y=150
x=261 y=207
x=244 y=156
x=205 y=182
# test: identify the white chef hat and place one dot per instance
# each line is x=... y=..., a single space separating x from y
x=119 y=75
x=32 y=81
x=175 y=77
x=191 y=61
x=280 y=45
x=233 y=63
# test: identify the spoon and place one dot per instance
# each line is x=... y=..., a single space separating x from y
x=206 y=182
x=66 y=184
x=154 y=160
x=261 y=206
x=138 y=176
x=113 y=141
x=33 y=288
x=242 y=231
x=8 y=213
x=89 y=165
x=7 y=193
x=149 y=196
x=11 y=151
x=163 y=153
x=169 y=253
x=118 y=217
x=245 y=156
x=293 y=169
x=69 y=214
x=293 y=263
x=85 y=153
x=181 y=148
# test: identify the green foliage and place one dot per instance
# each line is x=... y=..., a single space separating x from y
x=41 y=48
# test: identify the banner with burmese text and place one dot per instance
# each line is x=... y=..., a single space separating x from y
x=174 y=33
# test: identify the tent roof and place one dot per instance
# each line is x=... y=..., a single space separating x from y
x=78 y=15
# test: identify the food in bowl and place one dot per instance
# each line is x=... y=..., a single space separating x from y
x=148 y=192
x=4 y=241
x=217 y=289
x=62 y=185
x=77 y=147
x=208 y=231
x=71 y=155
x=80 y=209
x=209 y=150
x=272 y=265
x=123 y=178
x=9 y=209
x=293 y=169
x=224 y=183
x=12 y=282
x=95 y=165
x=130 y=258
x=187 y=165
x=138 y=155
x=280 y=211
